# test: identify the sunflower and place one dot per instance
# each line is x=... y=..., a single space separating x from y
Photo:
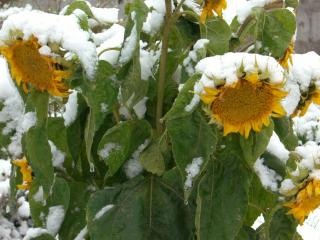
x=284 y=61
x=307 y=200
x=246 y=104
x=26 y=172
x=210 y=6
x=313 y=95
x=28 y=66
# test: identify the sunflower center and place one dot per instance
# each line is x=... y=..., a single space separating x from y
x=244 y=102
x=32 y=65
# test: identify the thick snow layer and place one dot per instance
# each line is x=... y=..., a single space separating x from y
x=226 y=68
x=64 y=30
x=106 y=15
x=277 y=148
x=192 y=170
x=24 y=208
x=8 y=230
x=55 y=219
x=268 y=177
x=304 y=72
x=70 y=113
x=310 y=153
x=58 y=156
x=5 y=13
x=4 y=188
x=5 y=169
x=108 y=39
x=308 y=126
x=155 y=17
x=242 y=9
x=103 y=211
x=133 y=167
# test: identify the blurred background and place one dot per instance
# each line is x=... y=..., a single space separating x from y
x=308 y=37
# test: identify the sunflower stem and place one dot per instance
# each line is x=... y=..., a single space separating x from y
x=162 y=67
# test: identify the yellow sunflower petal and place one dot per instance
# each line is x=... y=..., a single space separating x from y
x=210 y=6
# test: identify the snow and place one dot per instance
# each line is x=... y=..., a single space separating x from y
x=107 y=149
x=242 y=9
x=110 y=38
x=195 y=99
x=130 y=42
x=103 y=211
x=304 y=72
x=192 y=170
x=71 y=110
x=307 y=127
x=193 y=5
x=38 y=196
x=105 y=15
x=32 y=233
x=82 y=234
x=286 y=186
x=29 y=120
x=268 y=177
x=277 y=148
x=5 y=13
x=8 y=230
x=55 y=219
x=133 y=167
x=190 y=61
x=148 y=58
x=140 y=108
x=315 y=174
x=227 y=68
x=24 y=208
x=104 y=108
x=155 y=17
x=310 y=153
x=58 y=157
x=63 y=30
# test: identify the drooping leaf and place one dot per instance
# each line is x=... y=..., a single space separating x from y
x=144 y=208
x=283 y=128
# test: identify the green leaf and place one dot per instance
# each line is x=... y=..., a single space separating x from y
x=191 y=137
x=292 y=3
x=44 y=236
x=184 y=98
x=35 y=141
x=283 y=128
x=279 y=28
x=219 y=34
x=281 y=226
x=40 y=203
x=222 y=200
x=143 y=208
x=101 y=95
x=256 y=143
x=75 y=219
x=274 y=163
x=152 y=159
x=120 y=142
x=260 y=201
x=82 y=5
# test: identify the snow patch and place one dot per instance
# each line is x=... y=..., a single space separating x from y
x=192 y=170
x=71 y=110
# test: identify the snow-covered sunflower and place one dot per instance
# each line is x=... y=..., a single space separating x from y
x=211 y=6
x=26 y=173
x=41 y=49
x=29 y=67
x=306 y=200
x=242 y=91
